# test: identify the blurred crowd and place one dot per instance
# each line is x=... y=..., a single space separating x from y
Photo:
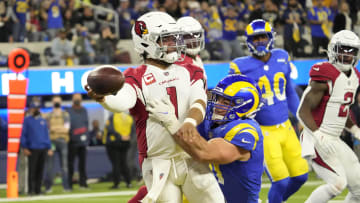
x=64 y=132
x=88 y=31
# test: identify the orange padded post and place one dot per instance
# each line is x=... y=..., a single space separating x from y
x=12 y=185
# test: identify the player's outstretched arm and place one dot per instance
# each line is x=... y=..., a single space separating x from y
x=124 y=99
x=311 y=99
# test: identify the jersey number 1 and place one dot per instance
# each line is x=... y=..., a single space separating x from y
x=171 y=91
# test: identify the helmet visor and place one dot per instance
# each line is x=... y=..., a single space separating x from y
x=346 y=54
x=171 y=42
x=193 y=40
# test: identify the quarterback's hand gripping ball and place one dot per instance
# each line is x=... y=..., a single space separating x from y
x=104 y=80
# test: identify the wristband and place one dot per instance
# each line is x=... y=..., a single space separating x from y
x=200 y=107
x=191 y=120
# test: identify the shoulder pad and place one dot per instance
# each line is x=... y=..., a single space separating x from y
x=323 y=71
x=195 y=72
x=240 y=65
x=133 y=75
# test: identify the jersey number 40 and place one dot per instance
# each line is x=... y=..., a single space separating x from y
x=277 y=91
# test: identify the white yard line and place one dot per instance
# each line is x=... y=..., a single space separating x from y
x=308 y=183
x=120 y=193
x=50 y=197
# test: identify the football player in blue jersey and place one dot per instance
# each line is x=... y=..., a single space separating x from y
x=235 y=146
x=270 y=68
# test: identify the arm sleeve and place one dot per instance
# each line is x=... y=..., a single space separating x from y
x=292 y=97
x=125 y=99
x=198 y=92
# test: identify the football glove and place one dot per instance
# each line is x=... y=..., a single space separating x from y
x=324 y=143
x=164 y=112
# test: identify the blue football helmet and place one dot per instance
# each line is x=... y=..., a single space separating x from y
x=259 y=27
x=234 y=97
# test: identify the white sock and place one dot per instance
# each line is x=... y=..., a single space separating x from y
x=322 y=194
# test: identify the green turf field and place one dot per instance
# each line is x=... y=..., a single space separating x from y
x=99 y=192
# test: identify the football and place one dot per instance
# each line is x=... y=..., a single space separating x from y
x=105 y=80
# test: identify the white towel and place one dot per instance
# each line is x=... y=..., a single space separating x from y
x=161 y=169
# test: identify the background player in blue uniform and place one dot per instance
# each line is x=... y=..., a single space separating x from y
x=235 y=148
x=270 y=68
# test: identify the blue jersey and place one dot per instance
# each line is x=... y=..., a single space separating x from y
x=320 y=14
x=273 y=78
x=54 y=16
x=21 y=8
x=240 y=181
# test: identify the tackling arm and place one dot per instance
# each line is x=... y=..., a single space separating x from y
x=197 y=110
x=217 y=150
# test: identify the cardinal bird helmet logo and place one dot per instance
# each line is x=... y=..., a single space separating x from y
x=140 y=28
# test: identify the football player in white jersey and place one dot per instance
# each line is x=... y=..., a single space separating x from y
x=324 y=112
x=168 y=171
x=194 y=40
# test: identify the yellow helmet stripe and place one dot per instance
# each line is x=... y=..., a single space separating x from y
x=256 y=103
x=267 y=27
x=249 y=30
x=232 y=89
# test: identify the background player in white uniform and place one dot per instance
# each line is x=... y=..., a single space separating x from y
x=167 y=170
x=324 y=111
x=193 y=39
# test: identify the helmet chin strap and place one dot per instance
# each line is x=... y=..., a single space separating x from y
x=217 y=117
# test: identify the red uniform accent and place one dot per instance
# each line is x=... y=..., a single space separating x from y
x=187 y=60
x=323 y=72
x=133 y=76
x=321 y=162
x=196 y=73
x=139 y=195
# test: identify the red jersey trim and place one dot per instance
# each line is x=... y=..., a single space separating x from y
x=322 y=163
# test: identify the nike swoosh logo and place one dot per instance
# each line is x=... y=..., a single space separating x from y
x=163 y=112
x=244 y=141
x=316 y=69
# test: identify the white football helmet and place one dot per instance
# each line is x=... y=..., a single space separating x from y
x=343 y=50
x=156 y=35
x=193 y=35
